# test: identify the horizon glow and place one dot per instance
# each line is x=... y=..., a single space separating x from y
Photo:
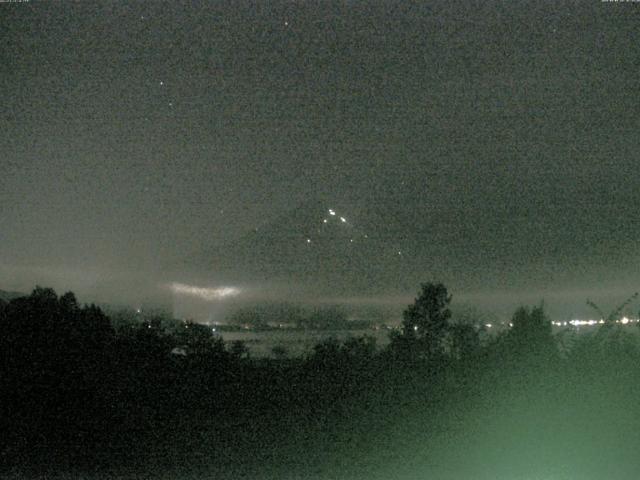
x=208 y=294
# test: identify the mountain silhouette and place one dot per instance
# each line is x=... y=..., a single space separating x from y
x=384 y=246
x=317 y=243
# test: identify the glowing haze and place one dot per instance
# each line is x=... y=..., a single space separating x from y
x=204 y=293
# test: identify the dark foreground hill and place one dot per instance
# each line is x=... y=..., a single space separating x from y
x=84 y=400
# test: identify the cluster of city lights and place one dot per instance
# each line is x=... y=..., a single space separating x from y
x=581 y=323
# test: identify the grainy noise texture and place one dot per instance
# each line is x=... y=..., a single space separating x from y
x=492 y=146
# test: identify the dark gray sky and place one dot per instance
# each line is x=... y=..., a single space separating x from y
x=494 y=143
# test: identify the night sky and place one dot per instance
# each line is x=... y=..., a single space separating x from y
x=493 y=146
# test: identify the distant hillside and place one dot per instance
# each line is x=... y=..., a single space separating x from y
x=8 y=296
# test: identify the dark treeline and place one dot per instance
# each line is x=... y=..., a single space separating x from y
x=82 y=397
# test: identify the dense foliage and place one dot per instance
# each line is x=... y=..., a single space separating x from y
x=81 y=397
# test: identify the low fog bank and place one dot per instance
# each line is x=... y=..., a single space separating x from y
x=151 y=289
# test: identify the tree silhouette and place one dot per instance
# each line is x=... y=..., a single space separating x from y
x=238 y=349
x=425 y=324
x=531 y=333
x=464 y=340
x=359 y=348
x=616 y=313
x=327 y=352
x=611 y=338
x=279 y=352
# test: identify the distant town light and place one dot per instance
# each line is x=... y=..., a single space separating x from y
x=581 y=323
